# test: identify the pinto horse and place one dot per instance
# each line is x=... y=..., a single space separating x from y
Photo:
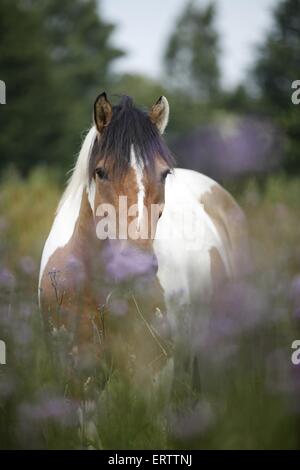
x=129 y=218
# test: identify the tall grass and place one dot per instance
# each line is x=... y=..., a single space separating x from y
x=249 y=388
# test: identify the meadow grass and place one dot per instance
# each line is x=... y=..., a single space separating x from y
x=249 y=388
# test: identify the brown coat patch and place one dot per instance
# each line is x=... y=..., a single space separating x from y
x=65 y=296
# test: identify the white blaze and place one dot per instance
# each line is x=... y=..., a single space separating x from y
x=138 y=168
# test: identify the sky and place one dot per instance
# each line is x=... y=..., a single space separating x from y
x=144 y=27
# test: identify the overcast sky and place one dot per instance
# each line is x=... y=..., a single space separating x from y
x=144 y=26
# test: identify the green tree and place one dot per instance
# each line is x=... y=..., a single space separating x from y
x=28 y=120
x=192 y=53
x=54 y=57
x=277 y=66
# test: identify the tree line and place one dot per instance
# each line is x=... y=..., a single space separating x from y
x=56 y=56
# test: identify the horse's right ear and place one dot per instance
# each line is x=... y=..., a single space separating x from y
x=102 y=112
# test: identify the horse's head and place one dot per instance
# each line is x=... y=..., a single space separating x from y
x=128 y=168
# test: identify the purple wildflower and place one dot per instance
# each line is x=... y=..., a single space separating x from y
x=53 y=408
x=123 y=262
x=7 y=279
x=76 y=267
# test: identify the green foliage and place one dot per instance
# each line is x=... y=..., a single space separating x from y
x=276 y=68
x=28 y=207
x=27 y=121
x=55 y=57
x=278 y=59
x=192 y=53
x=238 y=100
x=192 y=69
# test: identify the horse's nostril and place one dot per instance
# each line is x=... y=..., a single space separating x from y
x=160 y=214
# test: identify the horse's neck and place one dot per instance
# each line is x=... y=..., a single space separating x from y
x=84 y=237
x=72 y=234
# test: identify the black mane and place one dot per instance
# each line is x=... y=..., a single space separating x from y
x=129 y=126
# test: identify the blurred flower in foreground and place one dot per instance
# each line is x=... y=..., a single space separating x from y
x=49 y=408
x=7 y=279
x=125 y=261
x=238 y=308
x=35 y=420
x=232 y=148
x=76 y=268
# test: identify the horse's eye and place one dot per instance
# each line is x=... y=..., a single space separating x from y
x=164 y=175
x=102 y=174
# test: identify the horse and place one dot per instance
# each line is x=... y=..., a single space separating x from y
x=167 y=251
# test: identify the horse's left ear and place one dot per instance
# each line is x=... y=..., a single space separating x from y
x=159 y=113
x=102 y=112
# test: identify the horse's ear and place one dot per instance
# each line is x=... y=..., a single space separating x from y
x=102 y=112
x=159 y=113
